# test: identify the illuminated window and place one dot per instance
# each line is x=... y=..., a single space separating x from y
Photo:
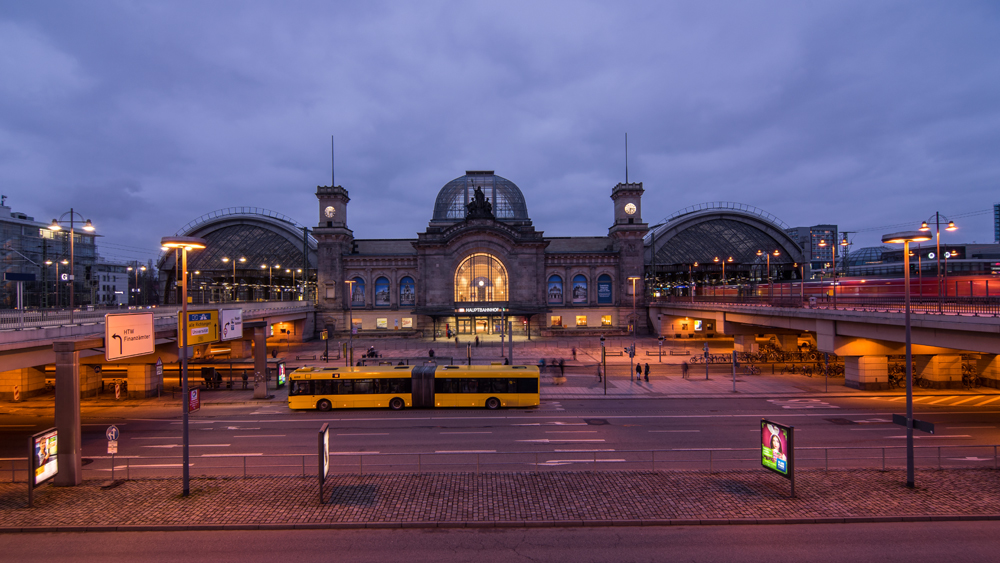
x=556 y=320
x=605 y=320
x=480 y=278
x=581 y=320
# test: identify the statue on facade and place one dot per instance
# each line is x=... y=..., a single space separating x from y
x=480 y=207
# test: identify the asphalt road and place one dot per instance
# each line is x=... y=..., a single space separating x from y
x=623 y=430
x=914 y=542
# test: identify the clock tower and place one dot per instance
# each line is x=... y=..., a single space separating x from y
x=333 y=241
x=627 y=234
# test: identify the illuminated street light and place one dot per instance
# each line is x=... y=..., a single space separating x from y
x=184 y=244
x=135 y=288
x=242 y=260
x=937 y=235
x=635 y=327
x=906 y=238
x=55 y=226
x=768 y=255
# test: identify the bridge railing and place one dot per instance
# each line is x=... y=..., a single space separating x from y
x=981 y=306
x=882 y=458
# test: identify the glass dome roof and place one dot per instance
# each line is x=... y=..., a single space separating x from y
x=453 y=199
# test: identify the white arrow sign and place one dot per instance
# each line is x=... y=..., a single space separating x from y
x=128 y=335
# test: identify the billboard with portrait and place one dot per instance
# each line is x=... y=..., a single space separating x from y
x=45 y=449
x=776 y=447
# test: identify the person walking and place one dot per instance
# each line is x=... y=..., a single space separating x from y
x=599 y=373
x=646 y=374
x=574 y=353
x=477 y=341
x=638 y=372
x=684 y=370
x=562 y=368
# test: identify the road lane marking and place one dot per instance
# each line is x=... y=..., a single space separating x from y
x=924 y=437
x=584 y=451
x=548 y=441
x=155 y=437
x=259 y=436
x=864 y=429
x=465 y=432
x=986 y=401
x=189 y=445
x=555 y=462
x=966 y=400
x=22 y=425
x=571 y=431
x=941 y=400
x=371 y=434
x=465 y=451
x=227 y=455
x=964 y=427
x=896 y=399
x=678 y=431
x=353 y=453
x=924 y=398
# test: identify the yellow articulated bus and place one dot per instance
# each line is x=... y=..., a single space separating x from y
x=398 y=387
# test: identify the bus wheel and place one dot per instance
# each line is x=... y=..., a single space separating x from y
x=396 y=404
x=323 y=405
x=493 y=403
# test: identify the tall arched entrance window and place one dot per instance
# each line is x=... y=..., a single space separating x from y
x=480 y=278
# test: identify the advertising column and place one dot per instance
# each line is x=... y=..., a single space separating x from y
x=777 y=448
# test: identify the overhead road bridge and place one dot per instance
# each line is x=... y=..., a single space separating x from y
x=864 y=336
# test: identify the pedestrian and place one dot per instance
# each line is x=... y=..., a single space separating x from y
x=684 y=370
x=541 y=363
x=456 y=341
x=562 y=367
x=244 y=379
x=430 y=353
x=638 y=372
x=574 y=353
x=477 y=341
x=598 y=373
x=646 y=374
x=506 y=361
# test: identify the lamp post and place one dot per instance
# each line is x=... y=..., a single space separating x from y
x=350 y=320
x=822 y=244
x=184 y=244
x=55 y=284
x=716 y=260
x=87 y=226
x=768 y=255
x=691 y=268
x=604 y=365
x=135 y=288
x=937 y=235
x=242 y=260
x=906 y=238
x=635 y=326
x=269 y=267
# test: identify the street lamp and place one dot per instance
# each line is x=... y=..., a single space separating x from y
x=635 y=326
x=691 y=268
x=135 y=288
x=87 y=226
x=350 y=319
x=242 y=260
x=937 y=235
x=768 y=254
x=270 y=288
x=716 y=260
x=906 y=238
x=822 y=244
x=184 y=244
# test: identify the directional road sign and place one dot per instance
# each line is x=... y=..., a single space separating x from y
x=128 y=335
x=203 y=327
x=112 y=433
x=232 y=323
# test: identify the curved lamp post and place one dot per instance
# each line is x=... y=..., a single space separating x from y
x=906 y=238
x=55 y=226
x=184 y=244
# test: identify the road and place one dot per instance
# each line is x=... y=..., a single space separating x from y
x=915 y=542
x=624 y=430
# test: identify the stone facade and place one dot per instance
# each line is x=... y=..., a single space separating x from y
x=480 y=260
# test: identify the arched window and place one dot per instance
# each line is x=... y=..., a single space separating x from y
x=579 y=289
x=407 y=292
x=604 y=293
x=382 y=292
x=555 y=290
x=358 y=293
x=480 y=278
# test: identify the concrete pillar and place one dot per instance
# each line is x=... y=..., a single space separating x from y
x=142 y=381
x=259 y=362
x=867 y=373
x=90 y=380
x=745 y=343
x=68 y=414
x=788 y=342
x=943 y=370
x=29 y=381
x=240 y=349
x=988 y=368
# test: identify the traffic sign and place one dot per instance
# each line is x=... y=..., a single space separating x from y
x=159 y=367
x=232 y=323
x=203 y=327
x=112 y=446
x=128 y=335
x=194 y=401
x=112 y=433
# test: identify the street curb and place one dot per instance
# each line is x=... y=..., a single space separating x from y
x=505 y=524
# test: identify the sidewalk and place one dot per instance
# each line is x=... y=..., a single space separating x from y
x=504 y=499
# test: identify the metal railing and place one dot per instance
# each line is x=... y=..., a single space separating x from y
x=681 y=459
x=982 y=306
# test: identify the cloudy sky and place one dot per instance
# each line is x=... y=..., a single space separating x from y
x=146 y=115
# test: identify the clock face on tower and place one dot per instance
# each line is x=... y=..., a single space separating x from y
x=630 y=208
x=329 y=211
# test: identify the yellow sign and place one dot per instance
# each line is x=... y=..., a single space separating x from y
x=203 y=326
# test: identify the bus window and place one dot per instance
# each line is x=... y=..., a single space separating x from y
x=324 y=386
x=469 y=385
x=301 y=388
x=398 y=385
x=446 y=385
x=345 y=387
x=499 y=386
x=362 y=386
x=527 y=386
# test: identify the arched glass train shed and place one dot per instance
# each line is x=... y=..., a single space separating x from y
x=252 y=254
x=718 y=243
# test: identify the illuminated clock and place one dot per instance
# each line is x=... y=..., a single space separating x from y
x=329 y=211
x=630 y=208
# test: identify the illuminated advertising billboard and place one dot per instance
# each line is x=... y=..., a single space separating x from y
x=44 y=453
x=776 y=447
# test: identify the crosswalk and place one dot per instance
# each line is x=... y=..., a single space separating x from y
x=947 y=400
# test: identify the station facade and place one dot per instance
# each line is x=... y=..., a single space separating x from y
x=479 y=264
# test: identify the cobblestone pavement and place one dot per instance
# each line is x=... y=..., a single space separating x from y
x=505 y=499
